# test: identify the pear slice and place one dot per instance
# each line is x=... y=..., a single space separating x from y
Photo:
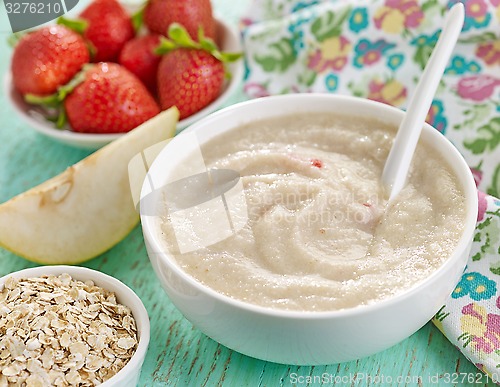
x=85 y=210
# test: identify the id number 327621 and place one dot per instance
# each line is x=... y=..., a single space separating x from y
x=466 y=378
x=33 y=8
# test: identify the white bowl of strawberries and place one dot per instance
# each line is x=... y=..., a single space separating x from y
x=85 y=88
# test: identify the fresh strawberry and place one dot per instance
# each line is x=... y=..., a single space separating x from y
x=138 y=57
x=192 y=14
x=108 y=28
x=47 y=58
x=109 y=100
x=191 y=74
x=189 y=79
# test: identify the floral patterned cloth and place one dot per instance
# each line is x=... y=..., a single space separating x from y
x=378 y=49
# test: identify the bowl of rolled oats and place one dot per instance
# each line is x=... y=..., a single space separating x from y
x=70 y=326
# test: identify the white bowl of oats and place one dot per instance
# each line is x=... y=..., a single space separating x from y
x=70 y=325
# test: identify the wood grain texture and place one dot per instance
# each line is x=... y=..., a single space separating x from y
x=179 y=354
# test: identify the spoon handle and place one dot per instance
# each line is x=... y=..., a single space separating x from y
x=400 y=156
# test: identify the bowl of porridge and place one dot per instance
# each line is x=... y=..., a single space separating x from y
x=269 y=228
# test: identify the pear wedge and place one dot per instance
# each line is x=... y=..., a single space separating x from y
x=85 y=210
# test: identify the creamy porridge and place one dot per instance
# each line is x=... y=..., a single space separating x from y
x=320 y=235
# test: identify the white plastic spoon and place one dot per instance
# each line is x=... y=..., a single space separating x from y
x=400 y=156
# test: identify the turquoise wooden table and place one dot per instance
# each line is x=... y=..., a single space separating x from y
x=179 y=354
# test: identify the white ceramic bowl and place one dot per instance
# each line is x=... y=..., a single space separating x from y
x=293 y=337
x=128 y=376
x=229 y=41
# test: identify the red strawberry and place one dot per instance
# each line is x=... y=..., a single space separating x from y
x=109 y=100
x=189 y=79
x=191 y=74
x=109 y=28
x=46 y=59
x=138 y=57
x=192 y=14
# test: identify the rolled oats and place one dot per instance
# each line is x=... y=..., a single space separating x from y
x=61 y=332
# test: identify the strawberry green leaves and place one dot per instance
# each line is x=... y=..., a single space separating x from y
x=56 y=100
x=178 y=37
x=138 y=19
x=77 y=25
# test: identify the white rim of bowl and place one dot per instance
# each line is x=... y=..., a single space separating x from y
x=470 y=192
x=101 y=279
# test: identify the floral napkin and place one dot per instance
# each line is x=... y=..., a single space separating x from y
x=378 y=49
